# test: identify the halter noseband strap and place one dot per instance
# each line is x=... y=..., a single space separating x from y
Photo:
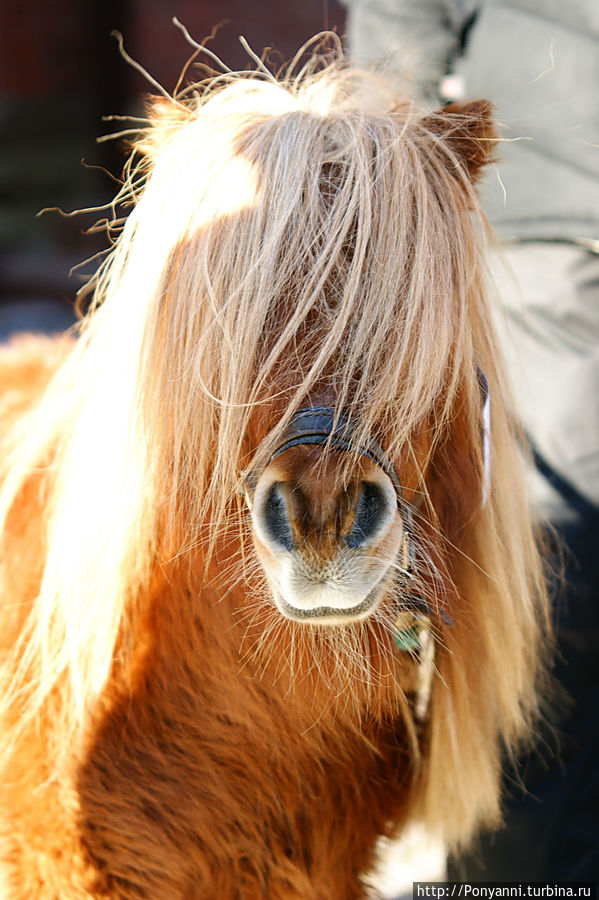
x=324 y=426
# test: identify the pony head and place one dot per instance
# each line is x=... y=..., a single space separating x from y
x=280 y=380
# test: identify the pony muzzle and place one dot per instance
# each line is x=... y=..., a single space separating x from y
x=328 y=546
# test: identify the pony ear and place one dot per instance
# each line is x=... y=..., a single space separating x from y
x=469 y=131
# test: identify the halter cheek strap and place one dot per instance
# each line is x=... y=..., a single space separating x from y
x=485 y=396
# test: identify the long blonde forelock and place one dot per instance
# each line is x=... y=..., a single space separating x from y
x=227 y=275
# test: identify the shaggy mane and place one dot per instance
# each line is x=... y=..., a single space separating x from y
x=315 y=236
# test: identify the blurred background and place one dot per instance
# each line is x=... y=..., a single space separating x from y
x=60 y=74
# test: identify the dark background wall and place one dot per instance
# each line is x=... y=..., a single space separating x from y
x=60 y=73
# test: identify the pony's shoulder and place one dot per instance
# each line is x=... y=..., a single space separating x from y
x=27 y=363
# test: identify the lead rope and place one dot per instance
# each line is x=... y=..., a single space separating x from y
x=412 y=633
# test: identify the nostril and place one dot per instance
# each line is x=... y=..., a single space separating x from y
x=275 y=517
x=371 y=509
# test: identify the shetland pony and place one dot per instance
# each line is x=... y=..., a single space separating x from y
x=269 y=584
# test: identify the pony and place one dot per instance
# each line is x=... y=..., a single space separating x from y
x=270 y=589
